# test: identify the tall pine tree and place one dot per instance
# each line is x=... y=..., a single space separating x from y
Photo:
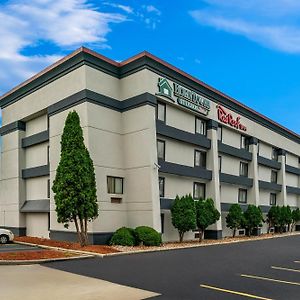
x=75 y=184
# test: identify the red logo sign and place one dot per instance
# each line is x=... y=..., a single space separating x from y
x=227 y=118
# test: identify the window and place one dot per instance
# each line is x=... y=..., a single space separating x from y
x=114 y=185
x=219 y=133
x=273 y=176
x=272 y=199
x=220 y=163
x=48 y=155
x=161 y=183
x=199 y=190
x=48 y=188
x=243 y=169
x=161 y=112
x=242 y=196
x=200 y=159
x=161 y=149
x=244 y=142
x=258 y=147
x=274 y=154
x=200 y=126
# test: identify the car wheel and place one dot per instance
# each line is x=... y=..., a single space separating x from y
x=3 y=239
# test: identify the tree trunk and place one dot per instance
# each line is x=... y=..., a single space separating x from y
x=234 y=232
x=181 y=236
x=201 y=235
x=78 y=231
x=249 y=232
x=82 y=230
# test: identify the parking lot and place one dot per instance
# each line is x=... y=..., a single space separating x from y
x=266 y=269
x=17 y=247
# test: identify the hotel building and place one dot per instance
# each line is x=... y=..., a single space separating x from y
x=153 y=132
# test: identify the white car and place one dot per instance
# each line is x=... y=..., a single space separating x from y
x=6 y=236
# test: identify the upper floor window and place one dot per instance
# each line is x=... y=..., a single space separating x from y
x=200 y=126
x=275 y=154
x=161 y=112
x=161 y=149
x=244 y=142
x=242 y=197
x=161 y=183
x=199 y=191
x=200 y=158
x=272 y=199
x=258 y=145
x=114 y=185
x=243 y=169
x=273 y=176
x=220 y=133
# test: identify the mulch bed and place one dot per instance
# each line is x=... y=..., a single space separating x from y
x=35 y=255
x=102 y=249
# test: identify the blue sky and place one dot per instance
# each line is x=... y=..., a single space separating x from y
x=248 y=49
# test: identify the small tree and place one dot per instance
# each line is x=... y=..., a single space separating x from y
x=285 y=218
x=253 y=218
x=75 y=185
x=206 y=214
x=235 y=217
x=273 y=217
x=183 y=215
x=295 y=217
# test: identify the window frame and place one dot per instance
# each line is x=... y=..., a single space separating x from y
x=163 y=192
x=275 y=197
x=244 y=140
x=115 y=177
x=220 y=163
x=204 y=189
x=48 y=188
x=276 y=176
x=164 y=152
x=247 y=168
x=202 y=121
x=274 y=155
x=165 y=111
x=202 y=152
x=239 y=196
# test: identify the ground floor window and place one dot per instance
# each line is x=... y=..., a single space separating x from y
x=114 y=185
x=199 y=191
x=272 y=199
x=161 y=183
x=242 y=198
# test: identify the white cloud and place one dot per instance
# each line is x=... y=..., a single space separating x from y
x=64 y=24
x=152 y=9
x=272 y=24
x=125 y=8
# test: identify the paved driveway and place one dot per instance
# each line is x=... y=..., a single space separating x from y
x=268 y=269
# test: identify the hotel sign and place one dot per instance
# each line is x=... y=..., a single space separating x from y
x=227 y=118
x=185 y=97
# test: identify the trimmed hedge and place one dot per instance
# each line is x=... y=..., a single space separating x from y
x=147 y=236
x=124 y=237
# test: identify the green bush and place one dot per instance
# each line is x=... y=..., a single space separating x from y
x=124 y=237
x=147 y=236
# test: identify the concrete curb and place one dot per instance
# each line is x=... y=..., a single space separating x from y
x=40 y=261
x=160 y=249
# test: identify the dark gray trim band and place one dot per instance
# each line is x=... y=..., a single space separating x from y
x=293 y=190
x=95 y=238
x=236 y=152
x=292 y=170
x=18 y=125
x=18 y=231
x=237 y=180
x=269 y=185
x=36 y=206
x=36 y=172
x=268 y=162
x=102 y=100
x=226 y=206
x=181 y=170
x=213 y=234
x=35 y=139
x=180 y=135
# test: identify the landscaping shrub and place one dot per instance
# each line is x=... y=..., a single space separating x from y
x=124 y=237
x=147 y=236
x=235 y=218
x=253 y=218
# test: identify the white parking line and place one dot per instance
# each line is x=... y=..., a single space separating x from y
x=270 y=279
x=285 y=269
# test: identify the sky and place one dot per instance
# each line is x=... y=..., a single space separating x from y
x=249 y=50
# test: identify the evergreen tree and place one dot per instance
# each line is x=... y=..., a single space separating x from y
x=183 y=215
x=235 y=217
x=75 y=184
x=253 y=218
x=206 y=214
x=273 y=217
x=295 y=217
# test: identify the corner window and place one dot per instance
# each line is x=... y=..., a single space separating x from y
x=275 y=154
x=200 y=159
x=161 y=183
x=220 y=162
x=199 y=191
x=114 y=185
x=161 y=112
x=242 y=198
x=245 y=142
x=273 y=176
x=161 y=149
x=200 y=126
x=220 y=133
x=272 y=199
x=243 y=169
